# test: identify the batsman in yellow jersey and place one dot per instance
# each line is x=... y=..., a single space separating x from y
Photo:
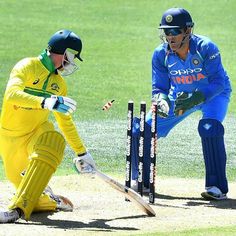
x=30 y=146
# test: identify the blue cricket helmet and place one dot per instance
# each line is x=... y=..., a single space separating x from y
x=64 y=39
x=176 y=18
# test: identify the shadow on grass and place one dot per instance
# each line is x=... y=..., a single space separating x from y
x=195 y=201
x=222 y=204
x=94 y=224
x=169 y=197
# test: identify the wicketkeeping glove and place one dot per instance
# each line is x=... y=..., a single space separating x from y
x=84 y=163
x=163 y=104
x=60 y=104
x=186 y=101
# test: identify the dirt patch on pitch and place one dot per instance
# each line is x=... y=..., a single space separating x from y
x=101 y=210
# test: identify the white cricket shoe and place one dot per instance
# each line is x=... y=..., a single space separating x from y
x=134 y=186
x=213 y=193
x=63 y=203
x=10 y=216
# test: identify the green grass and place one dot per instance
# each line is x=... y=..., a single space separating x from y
x=216 y=231
x=108 y=149
x=118 y=37
x=118 y=41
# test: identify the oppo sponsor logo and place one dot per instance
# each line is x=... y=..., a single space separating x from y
x=187 y=71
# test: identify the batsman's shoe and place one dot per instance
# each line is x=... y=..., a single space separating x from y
x=63 y=203
x=134 y=186
x=9 y=216
x=213 y=193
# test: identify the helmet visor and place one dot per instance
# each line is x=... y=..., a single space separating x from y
x=69 y=64
x=172 y=31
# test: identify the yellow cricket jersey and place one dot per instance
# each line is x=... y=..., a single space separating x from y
x=31 y=80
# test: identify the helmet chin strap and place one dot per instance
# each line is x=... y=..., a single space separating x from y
x=184 y=40
x=60 y=67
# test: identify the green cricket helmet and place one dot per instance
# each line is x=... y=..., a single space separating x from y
x=63 y=40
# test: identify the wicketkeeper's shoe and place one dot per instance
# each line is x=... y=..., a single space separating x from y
x=10 y=216
x=134 y=186
x=63 y=203
x=213 y=193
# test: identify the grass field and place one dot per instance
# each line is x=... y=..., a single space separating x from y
x=118 y=41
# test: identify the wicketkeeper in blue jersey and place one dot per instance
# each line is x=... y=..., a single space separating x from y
x=188 y=76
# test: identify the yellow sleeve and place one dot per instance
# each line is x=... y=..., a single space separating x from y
x=14 y=93
x=70 y=132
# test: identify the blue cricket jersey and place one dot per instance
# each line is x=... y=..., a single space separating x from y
x=202 y=70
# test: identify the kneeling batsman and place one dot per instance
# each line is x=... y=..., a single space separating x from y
x=44 y=160
x=33 y=149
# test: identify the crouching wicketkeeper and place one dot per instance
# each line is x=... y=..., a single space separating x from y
x=188 y=76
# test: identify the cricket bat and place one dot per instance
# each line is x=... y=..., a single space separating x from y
x=128 y=192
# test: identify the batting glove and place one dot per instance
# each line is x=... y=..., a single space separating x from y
x=60 y=104
x=163 y=104
x=186 y=101
x=84 y=163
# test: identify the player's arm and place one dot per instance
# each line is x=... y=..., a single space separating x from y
x=84 y=162
x=15 y=88
x=15 y=92
x=160 y=83
x=67 y=126
x=215 y=71
x=216 y=78
x=160 y=78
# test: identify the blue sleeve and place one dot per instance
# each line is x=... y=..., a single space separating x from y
x=214 y=70
x=160 y=78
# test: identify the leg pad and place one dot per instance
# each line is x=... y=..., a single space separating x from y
x=47 y=155
x=212 y=135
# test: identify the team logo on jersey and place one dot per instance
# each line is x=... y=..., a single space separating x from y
x=36 y=81
x=195 y=61
x=169 y=18
x=55 y=87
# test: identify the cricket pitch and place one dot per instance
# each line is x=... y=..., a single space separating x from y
x=101 y=210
